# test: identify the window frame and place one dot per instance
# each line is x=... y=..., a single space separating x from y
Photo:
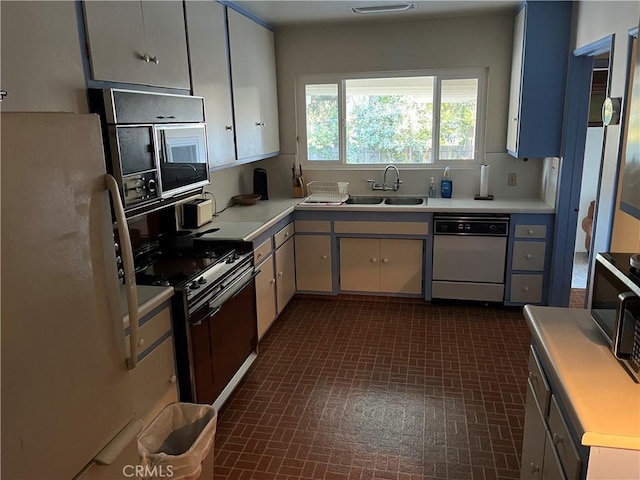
x=339 y=79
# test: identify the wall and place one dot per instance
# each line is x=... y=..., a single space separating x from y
x=478 y=41
x=594 y=20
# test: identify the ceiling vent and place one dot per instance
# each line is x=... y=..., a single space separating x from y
x=395 y=8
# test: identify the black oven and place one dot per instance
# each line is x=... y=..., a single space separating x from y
x=156 y=144
x=615 y=306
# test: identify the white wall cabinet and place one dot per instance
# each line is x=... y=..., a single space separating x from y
x=538 y=76
x=210 y=77
x=381 y=265
x=142 y=42
x=255 y=97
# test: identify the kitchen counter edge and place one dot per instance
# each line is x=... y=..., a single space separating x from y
x=590 y=380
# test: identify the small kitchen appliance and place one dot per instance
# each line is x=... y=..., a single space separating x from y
x=260 y=186
x=615 y=307
x=197 y=213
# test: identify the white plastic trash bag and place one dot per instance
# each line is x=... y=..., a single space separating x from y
x=176 y=442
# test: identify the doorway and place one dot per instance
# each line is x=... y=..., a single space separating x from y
x=593 y=157
x=568 y=221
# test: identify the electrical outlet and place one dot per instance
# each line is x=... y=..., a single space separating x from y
x=512 y=179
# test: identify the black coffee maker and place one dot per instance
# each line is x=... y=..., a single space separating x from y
x=260 y=183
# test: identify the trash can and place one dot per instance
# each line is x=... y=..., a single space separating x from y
x=176 y=442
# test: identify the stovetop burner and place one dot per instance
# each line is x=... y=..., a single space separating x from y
x=175 y=267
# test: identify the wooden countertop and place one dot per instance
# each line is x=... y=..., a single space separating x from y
x=602 y=399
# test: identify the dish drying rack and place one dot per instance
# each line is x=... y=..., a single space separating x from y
x=327 y=192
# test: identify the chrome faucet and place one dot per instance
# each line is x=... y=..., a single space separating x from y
x=384 y=186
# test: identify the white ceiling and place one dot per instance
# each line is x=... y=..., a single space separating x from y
x=290 y=12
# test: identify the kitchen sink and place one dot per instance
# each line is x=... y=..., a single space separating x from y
x=404 y=200
x=364 y=200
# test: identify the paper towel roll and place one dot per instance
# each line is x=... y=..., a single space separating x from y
x=484 y=180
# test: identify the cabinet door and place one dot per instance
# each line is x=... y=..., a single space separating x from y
x=120 y=34
x=252 y=57
x=313 y=263
x=285 y=274
x=513 y=125
x=166 y=40
x=210 y=76
x=401 y=266
x=265 y=295
x=534 y=439
x=359 y=264
x=115 y=32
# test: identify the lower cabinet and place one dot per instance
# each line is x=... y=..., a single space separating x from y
x=381 y=265
x=548 y=449
x=266 y=295
x=313 y=263
x=285 y=263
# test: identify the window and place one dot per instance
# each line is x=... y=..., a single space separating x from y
x=407 y=118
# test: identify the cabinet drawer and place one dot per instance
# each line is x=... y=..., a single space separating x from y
x=152 y=330
x=528 y=256
x=154 y=381
x=313 y=226
x=563 y=443
x=388 y=228
x=531 y=231
x=526 y=289
x=538 y=383
x=283 y=235
x=262 y=251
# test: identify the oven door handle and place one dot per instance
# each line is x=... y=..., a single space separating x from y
x=248 y=280
x=209 y=314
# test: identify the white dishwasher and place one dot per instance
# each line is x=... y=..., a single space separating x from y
x=469 y=255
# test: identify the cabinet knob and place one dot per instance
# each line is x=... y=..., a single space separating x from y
x=525 y=288
x=260 y=255
x=228 y=127
x=154 y=60
x=273 y=280
x=557 y=439
x=528 y=255
x=533 y=377
x=286 y=234
x=259 y=124
x=530 y=232
x=534 y=468
x=145 y=58
x=279 y=274
x=173 y=379
x=323 y=257
x=374 y=260
x=141 y=342
x=385 y=260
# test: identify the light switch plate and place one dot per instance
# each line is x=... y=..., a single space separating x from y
x=512 y=179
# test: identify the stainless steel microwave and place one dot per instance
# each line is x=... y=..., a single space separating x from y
x=615 y=306
x=156 y=143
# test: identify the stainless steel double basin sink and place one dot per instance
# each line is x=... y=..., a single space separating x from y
x=370 y=200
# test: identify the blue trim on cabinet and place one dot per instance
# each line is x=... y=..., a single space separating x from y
x=575 y=123
x=149 y=316
x=154 y=345
x=251 y=16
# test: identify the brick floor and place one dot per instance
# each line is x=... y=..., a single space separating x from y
x=349 y=388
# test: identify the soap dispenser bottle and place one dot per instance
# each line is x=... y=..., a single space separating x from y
x=433 y=190
x=446 y=185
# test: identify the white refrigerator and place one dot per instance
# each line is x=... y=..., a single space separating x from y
x=65 y=387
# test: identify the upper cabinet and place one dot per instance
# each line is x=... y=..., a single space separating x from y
x=210 y=76
x=142 y=42
x=538 y=76
x=255 y=98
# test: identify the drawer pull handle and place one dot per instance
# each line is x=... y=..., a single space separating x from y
x=260 y=255
x=528 y=255
x=141 y=342
x=374 y=260
x=173 y=379
x=534 y=468
x=286 y=234
x=533 y=377
x=385 y=260
x=525 y=288
x=557 y=439
x=324 y=257
x=530 y=232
